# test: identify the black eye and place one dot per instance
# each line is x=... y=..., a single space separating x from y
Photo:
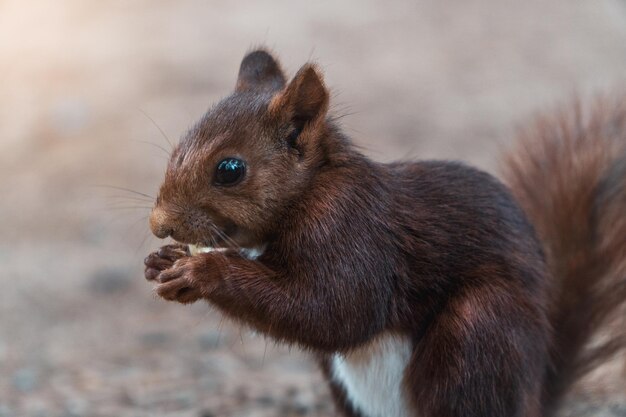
x=230 y=171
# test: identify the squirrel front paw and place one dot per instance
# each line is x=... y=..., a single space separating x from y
x=190 y=278
x=163 y=259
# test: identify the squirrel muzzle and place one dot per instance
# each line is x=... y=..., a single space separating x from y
x=160 y=224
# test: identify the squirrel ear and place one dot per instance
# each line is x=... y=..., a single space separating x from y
x=259 y=71
x=305 y=99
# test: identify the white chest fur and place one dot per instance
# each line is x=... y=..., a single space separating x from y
x=248 y=253
x=372 y=376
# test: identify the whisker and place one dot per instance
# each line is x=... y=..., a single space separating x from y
x=232 y=242
x=264 y=352
x=220 y=328
x=217 y=231
x=226 y=238
x=147 y=235
x=128 y=190
x=130 y=203
x=156 y=145
x=130 y=198
x=134 y=224
x=127 y=208
x=212 y=239
x=141 y=204
x=158 y=128
x=125 y=217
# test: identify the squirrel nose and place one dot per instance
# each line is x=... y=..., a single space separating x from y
x=159 y=224
x=162 y=233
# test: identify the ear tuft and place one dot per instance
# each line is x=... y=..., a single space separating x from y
x=305 y=99
x=260 y=71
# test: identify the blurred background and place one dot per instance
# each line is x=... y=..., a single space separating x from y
x=89 y=92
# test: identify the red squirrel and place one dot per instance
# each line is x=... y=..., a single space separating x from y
x=424 y=288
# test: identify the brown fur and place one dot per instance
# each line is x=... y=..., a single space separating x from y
x=569 y=174
x=437 y=251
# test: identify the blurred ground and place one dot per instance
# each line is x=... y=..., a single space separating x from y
x=81 y=333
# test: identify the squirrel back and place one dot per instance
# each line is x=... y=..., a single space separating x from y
x=569 y=174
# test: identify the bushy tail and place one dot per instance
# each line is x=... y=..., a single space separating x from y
x=569 y=174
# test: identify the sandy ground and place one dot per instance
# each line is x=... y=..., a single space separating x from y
x=85 y=87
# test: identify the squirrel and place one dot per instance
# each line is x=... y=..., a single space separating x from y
x=423 y=288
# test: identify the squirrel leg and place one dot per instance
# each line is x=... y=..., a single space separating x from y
x=293 y=308
x=479 y=359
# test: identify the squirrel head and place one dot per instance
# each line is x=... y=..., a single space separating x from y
x=234 y=173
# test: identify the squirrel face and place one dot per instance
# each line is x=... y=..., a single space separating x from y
x=232 y=175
